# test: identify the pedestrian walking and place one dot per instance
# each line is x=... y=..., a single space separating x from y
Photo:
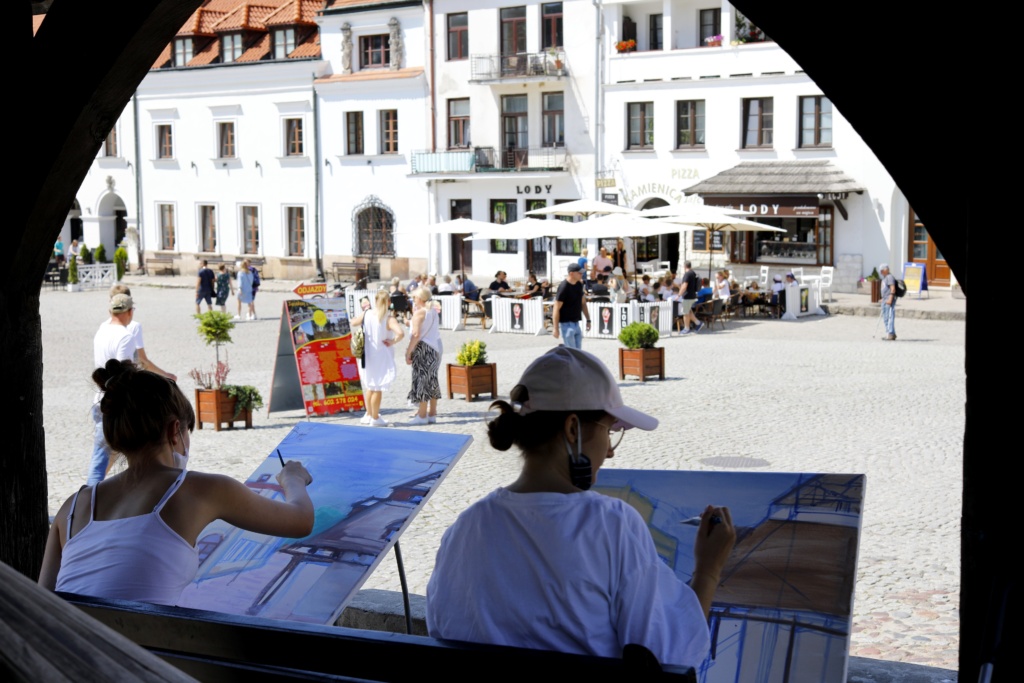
x=888 y=302
x=569 y=307
x=224 y=288
x=204 y=287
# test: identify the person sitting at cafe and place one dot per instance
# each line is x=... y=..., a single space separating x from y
x=722 y=290
x=645 y=287
x=500 y=286
x=470 y=291
x=532 y=287
x=600 y=286
x=582 y=261
x=602 y=263
x=705 y=292
x=654 y=291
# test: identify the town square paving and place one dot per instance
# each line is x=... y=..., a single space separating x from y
x=818 y=395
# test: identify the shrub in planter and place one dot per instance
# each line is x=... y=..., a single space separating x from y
x=472 y=353
x=247 y=397
x=639 y=336
x=120 y=261
x=472 y=375
x=73 y=270
x=640 y=357
x=99 y=255
x=86 y=255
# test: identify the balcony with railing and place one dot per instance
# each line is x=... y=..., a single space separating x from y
x=490 y=160
x=524 y=66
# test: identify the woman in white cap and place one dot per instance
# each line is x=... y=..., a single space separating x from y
x=545 y=563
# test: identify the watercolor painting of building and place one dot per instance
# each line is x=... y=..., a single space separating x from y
x=784 y=608
x=368 y=485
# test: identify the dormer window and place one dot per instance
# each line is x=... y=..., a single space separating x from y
x=284 y=42
x=230 y=47
x=182 y=51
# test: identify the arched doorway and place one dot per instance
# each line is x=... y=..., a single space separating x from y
x=75 y=222
x=112 y=221
x=663 y=247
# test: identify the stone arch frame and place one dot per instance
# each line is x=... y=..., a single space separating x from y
x=363 y=217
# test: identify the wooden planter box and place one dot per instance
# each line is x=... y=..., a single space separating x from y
x=473 y=380
x=214 y=405
x=642 y=363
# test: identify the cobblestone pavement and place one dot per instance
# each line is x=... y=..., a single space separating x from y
x=818 y=395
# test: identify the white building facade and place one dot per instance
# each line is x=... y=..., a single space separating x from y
x=347 y=138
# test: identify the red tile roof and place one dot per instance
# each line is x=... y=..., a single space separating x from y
x=300 y=12
x=336 y=4
x=256 y=18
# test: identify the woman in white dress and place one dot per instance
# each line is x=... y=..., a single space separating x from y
x=380 y=333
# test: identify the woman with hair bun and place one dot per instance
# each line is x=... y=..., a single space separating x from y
x=544 y=563
x=133 y=536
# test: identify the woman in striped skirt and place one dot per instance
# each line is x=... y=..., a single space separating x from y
x=424 y=355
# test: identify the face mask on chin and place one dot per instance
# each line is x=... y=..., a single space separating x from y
x=581 y=473
x=180 y=460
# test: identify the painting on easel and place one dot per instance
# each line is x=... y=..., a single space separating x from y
x=784 y=608
x=368 y=485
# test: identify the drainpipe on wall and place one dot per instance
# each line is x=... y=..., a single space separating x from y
x=138 y=184
x=598 y=98
x=434 y=241
x=318 y=194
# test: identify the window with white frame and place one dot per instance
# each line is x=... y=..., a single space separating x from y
x=284 y=42
x=208 y=227
x=641 y=125
x=251 y=229
x=164 y=141
x=231 y=47
x=110 y=144
x=389 y=131
x=225 y=139
x=353 y=132
x=165 y=214
x=689 y=124
x=296 y=219
x=182 y=51
x=757 y=122
x=815 y=121
x=293 y=143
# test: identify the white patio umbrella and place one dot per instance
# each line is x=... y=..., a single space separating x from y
x=453 y=227
x=524 y=229
x=587 y=208
x=710 y=218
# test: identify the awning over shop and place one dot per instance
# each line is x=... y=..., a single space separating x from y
x=750 y=184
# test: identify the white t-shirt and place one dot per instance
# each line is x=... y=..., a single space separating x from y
x=113 y=342
x=567 y=572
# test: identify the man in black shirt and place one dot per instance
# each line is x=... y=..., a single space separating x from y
x=688 y=290
x=499 y=286
x=569 y=307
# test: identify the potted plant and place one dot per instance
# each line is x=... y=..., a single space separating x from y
x=73 y=285
x=555 y=60
x=99 y=255
x=472 y=375
x=714 y=41
x=624 y=46
x=120 y=261
x=85 y=255
x=875 y=282
x=216 y=401
x=641 y=357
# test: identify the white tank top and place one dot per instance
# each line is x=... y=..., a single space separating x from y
x=430 y=332
x=135 y=558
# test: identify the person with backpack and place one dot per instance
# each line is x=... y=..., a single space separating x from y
x=890 y=293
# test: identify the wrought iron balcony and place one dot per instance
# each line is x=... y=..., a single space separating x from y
x=491 y=160
x=525 y=65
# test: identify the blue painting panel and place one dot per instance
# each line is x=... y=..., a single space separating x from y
x=368 y=485
x=784 y=608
